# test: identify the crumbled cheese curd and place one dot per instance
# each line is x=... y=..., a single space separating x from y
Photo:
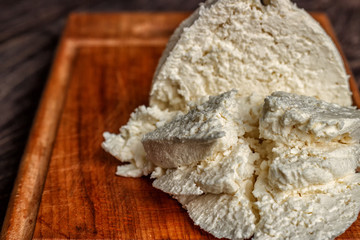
x=242 y=166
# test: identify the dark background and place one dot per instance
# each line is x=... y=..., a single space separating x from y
x=29 y=34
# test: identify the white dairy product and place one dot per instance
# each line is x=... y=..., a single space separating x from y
x=215 y=188
x=237 y=44
x=316 y=142
x=238 y=178
x=223 y=215
x=315 y=212
x=178 y=181
x=183 y=144
x=216 y=125
x=301 y=187
x=291 y=118
x=243 y=44
x=216 y=174
x=194 y=136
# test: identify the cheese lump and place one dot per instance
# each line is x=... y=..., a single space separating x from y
x=216 y=181
x=307 y=187
x=222 y=168
x=243 y=167
x=296 y=190
x=243 y=44
x=233 y=44
x=316 y=141
x=288 y=117
x=316 y=212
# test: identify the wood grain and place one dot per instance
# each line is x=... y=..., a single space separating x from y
x=106 y=62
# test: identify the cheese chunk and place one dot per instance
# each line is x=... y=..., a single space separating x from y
x=289 y=176
x=222 y=215
x=297 y=181
x=315 y=212
x=216 y=174
x=291 y=118
x=241 y=44
x=246 y=45
x=219 y=169
x=178 y=181
x=190 y=138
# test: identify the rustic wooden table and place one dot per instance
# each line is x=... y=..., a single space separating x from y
x=29 y=34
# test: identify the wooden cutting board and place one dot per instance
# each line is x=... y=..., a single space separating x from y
x=66 y=186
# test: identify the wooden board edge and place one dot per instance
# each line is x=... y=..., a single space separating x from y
x=20 y=218
x=324 y=21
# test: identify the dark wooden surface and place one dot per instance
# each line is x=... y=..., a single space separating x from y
x=29 y=34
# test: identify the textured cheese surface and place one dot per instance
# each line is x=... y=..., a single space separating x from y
x=191 y=137
x=288 y=117
x=216 y=174
x=243 y=44
x=221 y=169
x=223 y=215
x=127 y=146
x=261 y=187
x=289 y=176
x=296 y=167
x=316 y=212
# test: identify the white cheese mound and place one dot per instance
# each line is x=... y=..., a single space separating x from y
x=289 y=176
x=243 y=44
x=288 y=117
x=239 y=44
x=308 y=188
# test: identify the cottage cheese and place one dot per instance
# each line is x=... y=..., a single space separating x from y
x=205 y=149
x=223 y=215
x=243 y=44
x=291 y=118
x=307 y=188
x=215 y=174
x=290 y=190
x=191 y=137
x=289 y=176
x=315 y=141
x=315 y=212
x=297 y=167
x=230 y=44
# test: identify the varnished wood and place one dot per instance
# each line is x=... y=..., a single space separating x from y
x=107 y=60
